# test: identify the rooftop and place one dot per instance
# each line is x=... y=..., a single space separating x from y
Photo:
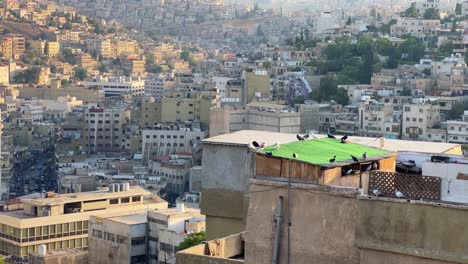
x=134 y=219
x=85 y=196
x=245 y=137
x=320 y=151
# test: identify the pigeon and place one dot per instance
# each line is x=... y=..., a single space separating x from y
x=355 y=159
x=364 y=156
x=295 y=155
x=306 y=137
x=299 y=138
x=377 y=192
x=331 y=136
x=344 y=138
x=349 y=171
x=399 y=194
x=369 y=167
x=343 y=141
x=255 y=144
x=375 y=165
x=276 y=146
x=333 y=160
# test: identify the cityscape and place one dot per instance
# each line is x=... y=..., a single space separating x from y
x=225 y=132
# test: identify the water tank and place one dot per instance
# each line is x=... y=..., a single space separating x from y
x=122 y=187
x=180 y=207
x=117 y=187
x=111 y=188
x=126 y=186
x=42 y=249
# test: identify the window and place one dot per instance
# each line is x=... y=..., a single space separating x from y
x=97 y=233
x=138 y=241
x=121 y=239
x=114 y=201
x=125 y=200
x=136 y=198
x=166 y=247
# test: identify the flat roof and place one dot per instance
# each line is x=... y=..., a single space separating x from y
x=84 y=196
x=245 y=137
x=134 y=219
x=320 y=151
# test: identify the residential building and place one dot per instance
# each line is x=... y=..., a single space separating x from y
x=13 y=46
x=119 y=86
x=255 y=116
x=419 y=28
x=417 y=118
x=69 y=256
x=168 y=228
x=158 y=142
x=38 y=47
x=457 y=131
x=4 y=75
x=379 y=119
x=52 y=49
x=151 y=112
x=174 y=169
x=119 y=240
x=61 y=220
x=257 y=85
x=105 y=128
x=181 y=105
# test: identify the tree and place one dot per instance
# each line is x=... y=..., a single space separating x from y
x=406 y=92
x=192 y=240
x=412 y=49
x=392 y=61
x=431 y=13
x=80 y=73
x=69 y=57
x=458 y=9
x=349 y=21
x=385 y=28
x=457 y=110
x=28 y=76
x=411 y=12
x=186 y=55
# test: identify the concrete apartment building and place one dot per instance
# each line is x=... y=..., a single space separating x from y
x=61 y=220
x=157 y=142
x=105 y=128
x=457 y=131
x=255 y=116
x=418 y=118
x=119 y=240
x=174 y=169
x=422 y=6
x=151 y=112
x=4 y=74
x=13 y=46
x=167 y=228
x=257 y=84
x=379 y=119
x=419 y=28
x=119 y=86
x=181 y=105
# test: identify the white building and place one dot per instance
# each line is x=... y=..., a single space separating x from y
x=419 y=28
x=418 y=118
x=168 y=228
x=119 y=85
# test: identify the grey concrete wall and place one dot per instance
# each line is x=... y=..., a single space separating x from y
x=322 y=224
x=374 y=256
x=225 y=184
x=72 y=258
x=433 y=231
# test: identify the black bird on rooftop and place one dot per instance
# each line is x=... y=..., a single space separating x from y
x=299 y=138
x=269 y=153
x=331 y=136
x=364 y=156
x=333 y=160
x=343 y=139
x=295 y=155
x=255 y=144
x=355 y=159
x=306 y=136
